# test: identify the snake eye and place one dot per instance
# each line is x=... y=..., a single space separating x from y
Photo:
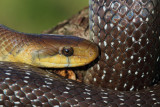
x=67 y=51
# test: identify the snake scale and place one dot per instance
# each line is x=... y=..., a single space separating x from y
x=126 y=73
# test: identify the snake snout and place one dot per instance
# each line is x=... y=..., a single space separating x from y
x=84 y=53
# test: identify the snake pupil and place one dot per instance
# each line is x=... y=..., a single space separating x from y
x=67 y=51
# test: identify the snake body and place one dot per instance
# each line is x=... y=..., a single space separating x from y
x=127 y=32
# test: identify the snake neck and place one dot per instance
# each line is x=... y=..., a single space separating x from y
x=14 y=46
x=127 y=33
x=10 y=43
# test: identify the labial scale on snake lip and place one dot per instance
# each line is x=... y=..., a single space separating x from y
x=127 y=31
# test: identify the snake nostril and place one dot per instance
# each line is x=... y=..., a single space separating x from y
x=67 y=51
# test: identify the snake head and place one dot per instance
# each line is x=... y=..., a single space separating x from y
x=64 y=51
x=44 y=50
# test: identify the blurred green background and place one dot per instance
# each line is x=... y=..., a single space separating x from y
x=35 y=16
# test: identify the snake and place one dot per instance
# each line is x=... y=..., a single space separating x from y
x=122 y=59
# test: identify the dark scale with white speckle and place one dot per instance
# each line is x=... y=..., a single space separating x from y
x=38 y=90
x=128 y=34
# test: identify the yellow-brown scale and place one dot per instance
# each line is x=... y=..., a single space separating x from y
x=52 y=51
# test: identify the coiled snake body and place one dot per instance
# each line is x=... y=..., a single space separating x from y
x=127 y=32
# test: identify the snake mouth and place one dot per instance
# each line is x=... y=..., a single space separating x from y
x=84 y=57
